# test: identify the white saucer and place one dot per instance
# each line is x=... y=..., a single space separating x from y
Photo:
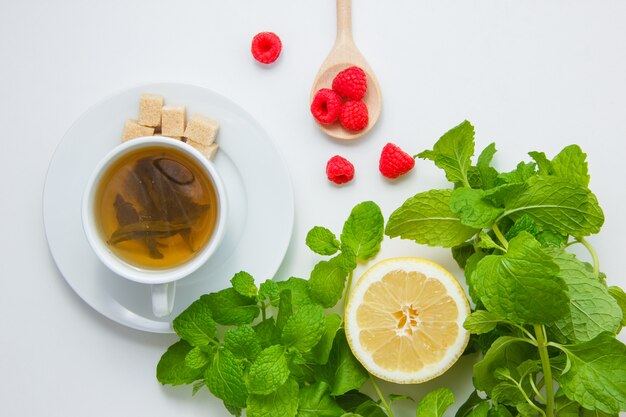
x=261 y=205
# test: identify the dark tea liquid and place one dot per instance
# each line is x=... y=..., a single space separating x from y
x=156 y=208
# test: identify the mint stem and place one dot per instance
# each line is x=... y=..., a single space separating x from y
x=380 y=395
x=594 y=255
x=348 y=286
x=542 y=346
x=500 y=236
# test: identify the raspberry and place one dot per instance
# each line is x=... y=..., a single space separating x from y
x=353 y=115
x=326 y=106
x=266 y=47
x=394 y=161
x=339 y=170
x=351 y=83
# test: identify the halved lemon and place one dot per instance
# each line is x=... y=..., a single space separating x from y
x=404 y=320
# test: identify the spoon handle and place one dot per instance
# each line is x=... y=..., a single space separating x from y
x=344 y=21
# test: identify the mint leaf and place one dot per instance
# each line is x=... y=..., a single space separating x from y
x=322 y=241
x=266 y=332
x=486 y=241
x=269 y=371
x=321 y=351
x=571 y=164
x=620 y=296
x=592 y=309
x=269 y=290
x=285 y=310
x=543 y=163
x=426 y=218
x=363 y=231
x=488 y=174
x=472 y=208
x=481 y=321
x=300 y=291
x=351 y=400
x=481 y=410
x=453 y=152
x=462 y=252
x=559 y=205
x=506 y=352
x=195 y=324
x=520 y=174
x=243 y=283
x=281 y=403
x=472 y=401
x=304 y=328
x=597 y=376
x=369 y=409
x=343 y=372
x=172 y=369
x=435 y=403
x=399 y=397
x=231 y=308
x=327 y=281
x=523 y=224
x=243 y=342
x=522 y=285
x=225 y=379
x=197 y=358
x=315 y=400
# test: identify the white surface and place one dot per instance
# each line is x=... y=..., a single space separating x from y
x=247 y=161
x=530 y=75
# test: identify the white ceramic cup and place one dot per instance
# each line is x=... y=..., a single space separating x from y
x=163 y=281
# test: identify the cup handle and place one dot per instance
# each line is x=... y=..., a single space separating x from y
x=163 y=298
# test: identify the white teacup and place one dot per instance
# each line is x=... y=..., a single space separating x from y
x=162 y=280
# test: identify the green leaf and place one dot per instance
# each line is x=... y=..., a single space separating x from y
x=506 y=352
x=197 y=358
x=351 y=400
x=482 y=321
x=363 y=231
x=499 y=410
x=266 y=332
x=285 y=310
x=523 y=224
x=172 y=368
x=470 y=276
x=243 y=283
x=472 y=401
x=435 y=403
x=487 y=242
x=327 y=281
x=300 y=291
x=322 y=241
x=520 y=174
x=557 y=204
x=315 y=400
x=195 y=324
x=571 y=164
x=462 y=252
x=269 y=290
x=343 y=372
x=225 y=379
x=620 y=296
x=399 y=397
x=426 y=218
x=453 y=152
x=472 y=208
x=304 y=328
x=269 y=371
x=321 y=351
x=231 y=308
x=481 y=410
x=550 y=239
x=597 y=376
x=583 y=412
x=370 y=409
x=543 y=163
x=522 y=285
x=281 y=403
x=488 y=174
x=243 y=342
x=592 y=309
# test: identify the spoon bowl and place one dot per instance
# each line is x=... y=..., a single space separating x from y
x=343 y=55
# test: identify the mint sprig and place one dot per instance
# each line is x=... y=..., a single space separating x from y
x=543 y=318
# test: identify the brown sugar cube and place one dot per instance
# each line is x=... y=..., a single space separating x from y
x=202 y=129
x=208 y=151
x=150 y=110
x=133 y=130
x=173 y=120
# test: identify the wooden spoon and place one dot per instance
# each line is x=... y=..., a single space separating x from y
x=343 y=55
